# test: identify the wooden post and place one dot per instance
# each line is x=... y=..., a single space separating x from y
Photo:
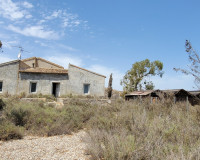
x=151 y=100
x=174 y=99
x=187 y=104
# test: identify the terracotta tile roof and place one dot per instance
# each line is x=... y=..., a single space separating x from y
x=45 y=70
x=87 y=70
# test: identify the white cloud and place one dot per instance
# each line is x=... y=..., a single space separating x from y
x=67 y=47
x=12 y=11
x=41 y=43
x=35 y=31
x=64 y=60
x=68 y=20
x=27 y=4
x=49 y=25
x=8 y=44
x=55 y=14
x=28 y=16
x=117 y=75
x=41 y=21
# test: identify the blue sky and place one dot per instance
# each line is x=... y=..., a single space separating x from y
x=104 y=36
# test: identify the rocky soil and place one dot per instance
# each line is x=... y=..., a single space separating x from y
x=64 y=147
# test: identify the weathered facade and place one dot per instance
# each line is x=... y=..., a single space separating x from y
x=36 y=75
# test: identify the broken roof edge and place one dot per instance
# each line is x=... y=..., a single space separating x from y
x=143 y=92
x=146 y=92
x=45 y=70
x=39 y=58
x=87 y=70
x=9 y=62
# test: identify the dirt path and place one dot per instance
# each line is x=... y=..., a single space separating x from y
x=65 y=147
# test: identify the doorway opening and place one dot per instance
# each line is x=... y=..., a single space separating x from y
x=56 y=89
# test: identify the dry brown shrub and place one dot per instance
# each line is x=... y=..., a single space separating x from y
x=141 y=130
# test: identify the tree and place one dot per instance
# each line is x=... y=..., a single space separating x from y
x=149 y=85
x=194 y=67
x=139 y=71
x=110 y=86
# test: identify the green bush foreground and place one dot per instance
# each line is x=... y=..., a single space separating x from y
x=121 y=131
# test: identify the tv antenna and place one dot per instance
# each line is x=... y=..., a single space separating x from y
x=21 y=50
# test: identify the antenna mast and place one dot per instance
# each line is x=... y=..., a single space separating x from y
x=21 y=50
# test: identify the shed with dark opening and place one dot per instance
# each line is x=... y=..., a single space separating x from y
x=142 y=94
x=181 y=95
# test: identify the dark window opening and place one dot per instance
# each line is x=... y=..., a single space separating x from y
x=1 y=86
x=86 y=88
x=33 y=87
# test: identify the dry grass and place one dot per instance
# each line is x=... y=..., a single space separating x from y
x=120 y=131
x=132 y=130
x=39 y=119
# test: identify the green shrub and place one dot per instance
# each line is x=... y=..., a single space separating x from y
x=121 y=130
x=9 y=131
x=39 y=119
x=2 y=104
x=19 y=116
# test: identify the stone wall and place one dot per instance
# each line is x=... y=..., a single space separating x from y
x=9 y=77
x=78 y=77
x=71 y=83
x=44 y=83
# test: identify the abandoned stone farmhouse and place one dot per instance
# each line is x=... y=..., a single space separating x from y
x=39 y=76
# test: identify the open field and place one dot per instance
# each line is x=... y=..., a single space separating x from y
x=121 y=130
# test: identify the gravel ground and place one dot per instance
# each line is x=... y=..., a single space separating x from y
x=64 y=147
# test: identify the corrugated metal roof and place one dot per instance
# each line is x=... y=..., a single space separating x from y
x=195 y=92
x=45 y=70
x=140 y=93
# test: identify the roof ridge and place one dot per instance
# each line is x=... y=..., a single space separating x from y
x=48 y=68
x=5 y=63
x=39 y=58
x=87 y=70
x=50 y=62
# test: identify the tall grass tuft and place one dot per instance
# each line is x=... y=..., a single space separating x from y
x=140 y=130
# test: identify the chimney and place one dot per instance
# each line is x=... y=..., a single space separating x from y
x=33 y=65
